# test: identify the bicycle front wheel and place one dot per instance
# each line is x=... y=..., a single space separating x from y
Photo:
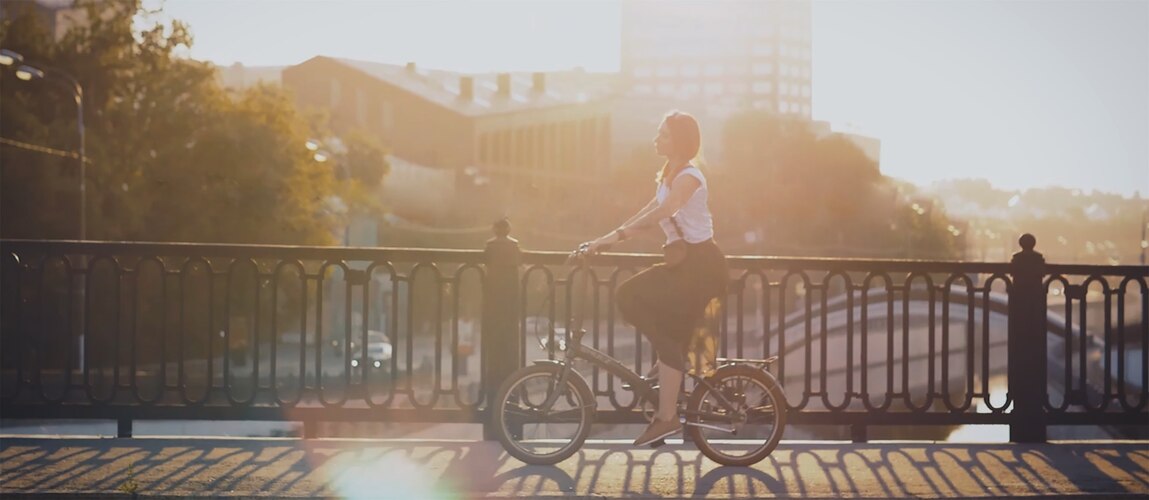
x=539 y=420
x=739 y=418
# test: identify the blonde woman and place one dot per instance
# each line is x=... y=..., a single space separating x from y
x=666 y=302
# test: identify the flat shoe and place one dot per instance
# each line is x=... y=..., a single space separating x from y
x=658 y=429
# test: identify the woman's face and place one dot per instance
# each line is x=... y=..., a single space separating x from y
x=663 y=145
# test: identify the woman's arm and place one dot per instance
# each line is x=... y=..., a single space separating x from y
x=643 y=211
x=606 y=239
x=680 y=192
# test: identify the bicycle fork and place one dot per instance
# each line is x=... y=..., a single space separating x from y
x=560 y=386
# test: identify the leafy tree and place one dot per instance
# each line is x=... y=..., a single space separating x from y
x=366 y=159
x=172 y=156
x=809 y=195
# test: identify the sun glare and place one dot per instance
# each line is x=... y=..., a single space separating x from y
x=391 y=475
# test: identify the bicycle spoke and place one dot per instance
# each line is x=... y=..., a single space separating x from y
x=541 y=421
x=735 y=421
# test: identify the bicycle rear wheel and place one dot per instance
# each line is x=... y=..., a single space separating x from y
x=538 y=435
x=749 y=427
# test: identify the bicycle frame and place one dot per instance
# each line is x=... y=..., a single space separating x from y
x=574 y=350
x=642 y=388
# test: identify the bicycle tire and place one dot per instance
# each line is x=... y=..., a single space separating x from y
x=508 y=401
x=771 y=404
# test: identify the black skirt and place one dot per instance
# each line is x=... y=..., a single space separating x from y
x=668 y=305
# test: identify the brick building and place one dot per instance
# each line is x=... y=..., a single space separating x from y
x=509 y=129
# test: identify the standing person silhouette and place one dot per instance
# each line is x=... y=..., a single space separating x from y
x=667 y=302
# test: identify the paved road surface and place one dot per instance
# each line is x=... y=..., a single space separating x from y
x=414 y=469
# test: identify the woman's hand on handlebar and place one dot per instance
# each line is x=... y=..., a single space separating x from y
x=587 y=249
x=596 y=247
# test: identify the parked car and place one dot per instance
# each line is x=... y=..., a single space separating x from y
x=379 y=350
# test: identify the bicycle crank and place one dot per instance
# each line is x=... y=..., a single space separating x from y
x=713 y=427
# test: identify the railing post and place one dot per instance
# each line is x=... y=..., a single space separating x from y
x=1028 y=350
x=501 y=341
x=123 y=427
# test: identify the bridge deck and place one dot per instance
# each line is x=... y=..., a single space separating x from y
x=351 y=468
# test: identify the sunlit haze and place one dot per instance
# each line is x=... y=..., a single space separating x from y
x=1024 y=94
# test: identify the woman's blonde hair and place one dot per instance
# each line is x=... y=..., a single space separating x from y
x=685 y=139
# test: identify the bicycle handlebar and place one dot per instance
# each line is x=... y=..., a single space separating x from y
x=580 y=254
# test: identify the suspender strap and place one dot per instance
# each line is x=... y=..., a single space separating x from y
x=677 y=228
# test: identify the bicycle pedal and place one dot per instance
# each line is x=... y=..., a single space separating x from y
x=629 y=387
x=658 y=443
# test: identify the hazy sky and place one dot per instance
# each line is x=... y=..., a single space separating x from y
x=1023 y=93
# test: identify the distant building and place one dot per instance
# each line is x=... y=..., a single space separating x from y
x=741 y=52
x=712 y=59
x=872 y=147
x=237 y=76
x=515 y=128
x=56 y=16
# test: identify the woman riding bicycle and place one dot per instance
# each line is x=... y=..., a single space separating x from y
x=668 y=301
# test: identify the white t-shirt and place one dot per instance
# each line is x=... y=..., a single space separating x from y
x=694 y=217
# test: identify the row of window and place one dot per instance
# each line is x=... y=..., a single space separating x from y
x=716 y=89
x=694 y=30
x=386 y=114
x=720 y=69
x=783 y=107
x=703 y=48
x=554 y=146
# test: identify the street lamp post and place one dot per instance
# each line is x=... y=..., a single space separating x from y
x=1144 y=227
x=28 y=72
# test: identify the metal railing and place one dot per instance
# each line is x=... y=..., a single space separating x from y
x=131 y=331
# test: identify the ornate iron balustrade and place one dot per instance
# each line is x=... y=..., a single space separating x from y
x=130 y=331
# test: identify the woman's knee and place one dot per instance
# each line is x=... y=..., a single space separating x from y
x=627 y=297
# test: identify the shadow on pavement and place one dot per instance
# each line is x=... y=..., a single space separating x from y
x=461 y=469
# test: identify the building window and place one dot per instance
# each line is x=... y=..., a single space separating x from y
x=806 y=110
x=551 y=146
x=805 y=91
x=666 y=71
x=689 y=70
x=643 y=89
x=642 y=71
x=713 y=70
x=504 y=158
x=690 y=90
x=387 y=116
x=783 y=89
x=485 y=149
x=762 y=68
x=762 y=87
x=784 y=69
x=518 y=147
x=360 y=107
x=713 y=89
x=783 y=107
x=762 y=49
x=665 y=89
x=738 y=88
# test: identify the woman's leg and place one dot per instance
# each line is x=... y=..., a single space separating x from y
x=651 y=301
x=669 y=382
